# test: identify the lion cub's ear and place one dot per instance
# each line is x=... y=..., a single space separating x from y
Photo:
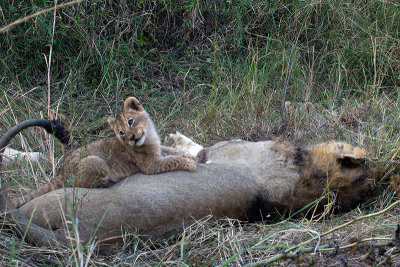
x=112 y=122
x=131 y=103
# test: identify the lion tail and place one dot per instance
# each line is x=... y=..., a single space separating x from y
x=51 y=126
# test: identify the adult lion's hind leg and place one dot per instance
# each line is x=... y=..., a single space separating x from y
x=39 y=235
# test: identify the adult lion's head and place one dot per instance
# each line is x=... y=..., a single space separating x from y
x=333 y=172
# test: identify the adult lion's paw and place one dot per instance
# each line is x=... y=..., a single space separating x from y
x=202 y=156
x=182 y=144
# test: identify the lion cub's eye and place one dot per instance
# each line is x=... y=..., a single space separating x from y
x=122 y=133
x=130 y=122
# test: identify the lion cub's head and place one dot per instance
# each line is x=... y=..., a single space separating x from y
x=132 y=125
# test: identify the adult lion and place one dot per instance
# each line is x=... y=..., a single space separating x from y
x=243 y=180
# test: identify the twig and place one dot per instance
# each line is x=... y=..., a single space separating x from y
x=48 y=63
x=18 y=21
x=348 y=223
x=288 y=72
x=284 y=115
x=325 y=247
x=288 y=251
x=388 y=258
x=17 y=258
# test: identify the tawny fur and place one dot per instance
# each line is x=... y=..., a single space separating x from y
x=242 y=180
x=332 y=172
x=328 y=170
x=135 y=147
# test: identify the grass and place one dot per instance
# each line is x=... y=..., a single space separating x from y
x=214 y=70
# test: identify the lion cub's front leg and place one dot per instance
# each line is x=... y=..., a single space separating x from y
x=169 y=163
x=168 y=151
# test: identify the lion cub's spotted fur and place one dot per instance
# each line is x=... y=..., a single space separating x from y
x=135 y=147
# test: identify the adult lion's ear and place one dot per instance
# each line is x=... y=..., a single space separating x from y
x=112 y=122
x=350 y=162
x=395 y=181
x=131 y=103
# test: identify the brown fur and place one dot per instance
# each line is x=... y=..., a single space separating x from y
x=333 y=172
x=242 y=180
x=395 y=182
x=135 y=147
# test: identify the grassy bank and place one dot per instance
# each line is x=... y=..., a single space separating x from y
x=213 y=70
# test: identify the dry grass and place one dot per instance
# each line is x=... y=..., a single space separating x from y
x=214 y=71
x=230 y=242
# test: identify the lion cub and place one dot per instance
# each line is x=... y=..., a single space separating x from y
x=135 y=147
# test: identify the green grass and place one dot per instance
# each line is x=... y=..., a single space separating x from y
x=213 y=70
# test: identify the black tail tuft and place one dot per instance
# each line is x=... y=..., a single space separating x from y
x=59 y=131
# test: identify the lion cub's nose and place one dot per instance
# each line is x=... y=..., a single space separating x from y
x=132 y=137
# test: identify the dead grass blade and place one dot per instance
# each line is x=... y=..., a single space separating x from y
x=18 y=21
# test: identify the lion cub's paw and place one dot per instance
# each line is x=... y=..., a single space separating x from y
x=191 y=166
x=189 y=163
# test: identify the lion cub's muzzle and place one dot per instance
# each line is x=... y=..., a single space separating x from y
x=133 y=138
x=137 y=139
